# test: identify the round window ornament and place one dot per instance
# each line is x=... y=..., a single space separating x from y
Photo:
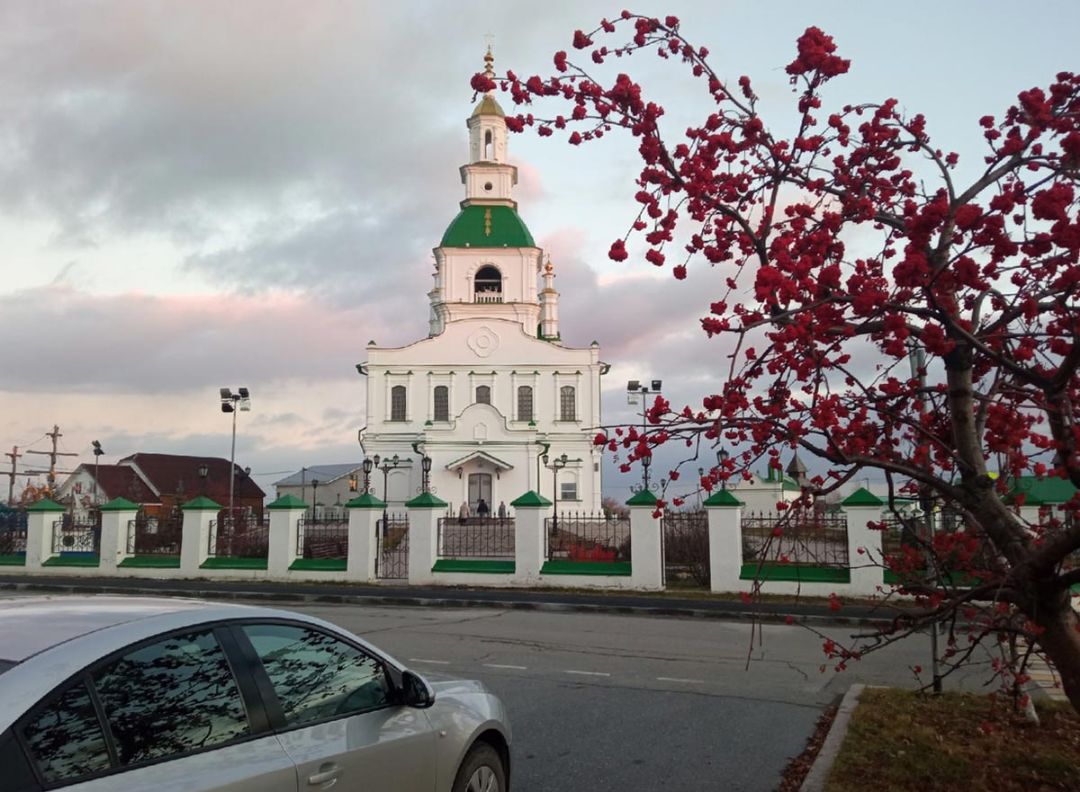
x=489 y=186
x=483 y=342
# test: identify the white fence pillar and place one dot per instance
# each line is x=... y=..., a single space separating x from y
x=285 y=514
x=646 y=558
x=725 y=541
x=529 y=513
x=39 y=532
x=115 y=516
x=364 y=513
x=195 y=533
x=424 y=511
x=865 y=557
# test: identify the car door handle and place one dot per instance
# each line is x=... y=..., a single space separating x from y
x=327 y=775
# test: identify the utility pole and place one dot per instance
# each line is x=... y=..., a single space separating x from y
x=14 y=456
x=55 y=435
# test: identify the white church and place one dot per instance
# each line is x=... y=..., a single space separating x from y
x=492 y=395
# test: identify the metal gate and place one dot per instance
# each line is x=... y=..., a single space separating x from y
x=392 y=547
x=685 y=548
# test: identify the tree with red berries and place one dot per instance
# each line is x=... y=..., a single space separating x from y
x=840 y=250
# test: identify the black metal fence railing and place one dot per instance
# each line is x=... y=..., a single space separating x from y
x=392 y=552
x=155 y=534
x=582 y=537
x=12 y=531
x=77 y=534
x=319 y=538
x=476 y=537
x=686 y=547
x=326 y=515
x=797 y=536
x=238 y=535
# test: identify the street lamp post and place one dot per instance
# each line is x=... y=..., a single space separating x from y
x=368 y=465
x=314 y=496
x=555 y=465
x=204 y=471
x=722 y=457
x=634 y=390
x=97 y=455
x=233 y=403
x=387 y=465
x=425 y=473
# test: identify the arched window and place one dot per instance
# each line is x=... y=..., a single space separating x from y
x=483 y=394
x=488 y=285
x=525 y=403
x=442 y=403
x=487 y=145
x=567 y=403
x=397 y=403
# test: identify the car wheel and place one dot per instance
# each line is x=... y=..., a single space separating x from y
x=482 y=771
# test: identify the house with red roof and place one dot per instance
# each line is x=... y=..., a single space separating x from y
x=160 y=483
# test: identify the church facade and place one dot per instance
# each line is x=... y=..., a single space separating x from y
x=492 y=391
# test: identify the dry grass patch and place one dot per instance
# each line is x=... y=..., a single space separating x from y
x=904 y=741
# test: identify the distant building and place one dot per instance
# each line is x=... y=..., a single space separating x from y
x=761 y=494
x=324 y=485
x=161 y=482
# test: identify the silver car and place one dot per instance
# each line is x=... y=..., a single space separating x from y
x=155 y=695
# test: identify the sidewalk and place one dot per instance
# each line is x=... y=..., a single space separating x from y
x=710 y=606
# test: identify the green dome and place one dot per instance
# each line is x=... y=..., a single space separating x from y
x=487 y=226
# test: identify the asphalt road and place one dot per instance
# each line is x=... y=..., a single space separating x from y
x=612 y=702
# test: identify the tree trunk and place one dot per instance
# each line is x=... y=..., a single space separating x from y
x=1061 y=642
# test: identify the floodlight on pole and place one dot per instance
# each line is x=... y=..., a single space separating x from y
x=230 y=403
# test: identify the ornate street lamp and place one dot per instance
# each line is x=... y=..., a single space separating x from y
x=368 y=465
x=203 y=471
x=722 y=457
x=555 y=465
x=635 y=390
x=425 y=471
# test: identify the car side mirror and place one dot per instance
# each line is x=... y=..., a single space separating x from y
x=415 y=690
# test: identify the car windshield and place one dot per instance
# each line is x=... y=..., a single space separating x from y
x=5 y=665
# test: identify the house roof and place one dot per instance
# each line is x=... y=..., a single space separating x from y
x=122 y=481
x=324 y=473
x=1048 y=489
x=173 y=474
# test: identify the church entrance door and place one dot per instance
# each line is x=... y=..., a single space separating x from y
x=479 y=487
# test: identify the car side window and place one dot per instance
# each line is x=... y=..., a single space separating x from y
x=65 y=738
x=315 y=675
x=171 y=697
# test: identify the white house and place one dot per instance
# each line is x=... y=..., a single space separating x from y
x=493 y=389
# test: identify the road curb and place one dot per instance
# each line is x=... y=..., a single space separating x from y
x=830 y=748
x=400 y=600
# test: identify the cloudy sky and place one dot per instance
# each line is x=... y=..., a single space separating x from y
x=196 y=194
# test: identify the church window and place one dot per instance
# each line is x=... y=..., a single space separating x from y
x=442 y=403
x=397 y=403
x=525 y=403
x=487 y=145
x=488 y=285
x=567 y=403
x=489 y=186
x=568 y=491
x=483 y=394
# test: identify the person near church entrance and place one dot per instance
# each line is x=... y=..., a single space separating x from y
x=482 y=509
x=463 y=513
x=502 y=510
